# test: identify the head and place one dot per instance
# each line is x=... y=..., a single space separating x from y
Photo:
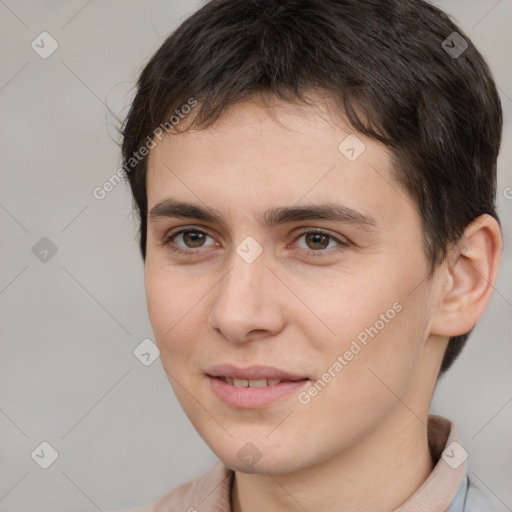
x=252 y=114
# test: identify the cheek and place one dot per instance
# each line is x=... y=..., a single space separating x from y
x=372 y=322
x=160 y=298
x=174 y=316
x=342 y=310
x=172 y=303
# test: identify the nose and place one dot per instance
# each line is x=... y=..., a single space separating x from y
x=246 y=305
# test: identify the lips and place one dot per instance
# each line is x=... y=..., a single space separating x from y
x=253 y=376
x=254 y=387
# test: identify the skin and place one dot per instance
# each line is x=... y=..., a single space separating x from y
x=299 y=305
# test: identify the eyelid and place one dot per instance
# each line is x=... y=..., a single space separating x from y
x=178 y=230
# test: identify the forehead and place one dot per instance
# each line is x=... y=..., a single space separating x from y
x=255 y=158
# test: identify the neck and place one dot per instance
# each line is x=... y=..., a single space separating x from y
x=378 y=473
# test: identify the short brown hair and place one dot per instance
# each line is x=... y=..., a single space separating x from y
x=386 y=64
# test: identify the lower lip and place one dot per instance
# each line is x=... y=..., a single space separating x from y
x=252 y=398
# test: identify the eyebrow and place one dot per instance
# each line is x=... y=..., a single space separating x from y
x=170 y=208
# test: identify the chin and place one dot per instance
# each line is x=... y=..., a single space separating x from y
x=262 y=458
x=267 y=466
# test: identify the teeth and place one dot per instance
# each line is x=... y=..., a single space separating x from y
x=258 y=383
x=252 y=383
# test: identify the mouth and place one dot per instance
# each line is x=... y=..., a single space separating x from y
x=255 y=383
x=252 y=383
x=253 y=387
x=253 y=373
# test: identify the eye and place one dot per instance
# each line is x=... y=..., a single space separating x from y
x=186 y=240
x=320 y=241
x=313 y=242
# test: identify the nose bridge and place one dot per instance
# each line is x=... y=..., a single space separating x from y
x=244 y=301
x=241 y=283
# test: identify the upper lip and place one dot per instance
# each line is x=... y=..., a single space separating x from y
x=252 y=372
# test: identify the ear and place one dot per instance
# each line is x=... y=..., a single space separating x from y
x=470 y=275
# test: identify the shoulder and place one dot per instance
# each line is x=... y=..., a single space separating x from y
x=479 y=500
x=208 y=492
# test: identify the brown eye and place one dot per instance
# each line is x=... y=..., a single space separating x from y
x=193 y=239
x=320 y=243
x=188 y=240
x=317 y=241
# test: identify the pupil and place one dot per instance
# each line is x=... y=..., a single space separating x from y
x=321 y=241
x=193 y=239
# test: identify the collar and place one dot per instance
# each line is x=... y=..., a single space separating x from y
x=443 y=491
x=449 y=474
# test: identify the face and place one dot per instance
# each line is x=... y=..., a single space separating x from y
x=286 y=286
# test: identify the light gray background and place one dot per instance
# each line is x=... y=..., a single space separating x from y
x=69 y=326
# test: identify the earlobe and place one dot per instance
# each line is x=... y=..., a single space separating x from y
x=472 y=269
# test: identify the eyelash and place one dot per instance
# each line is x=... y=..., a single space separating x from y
x=168 y=241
